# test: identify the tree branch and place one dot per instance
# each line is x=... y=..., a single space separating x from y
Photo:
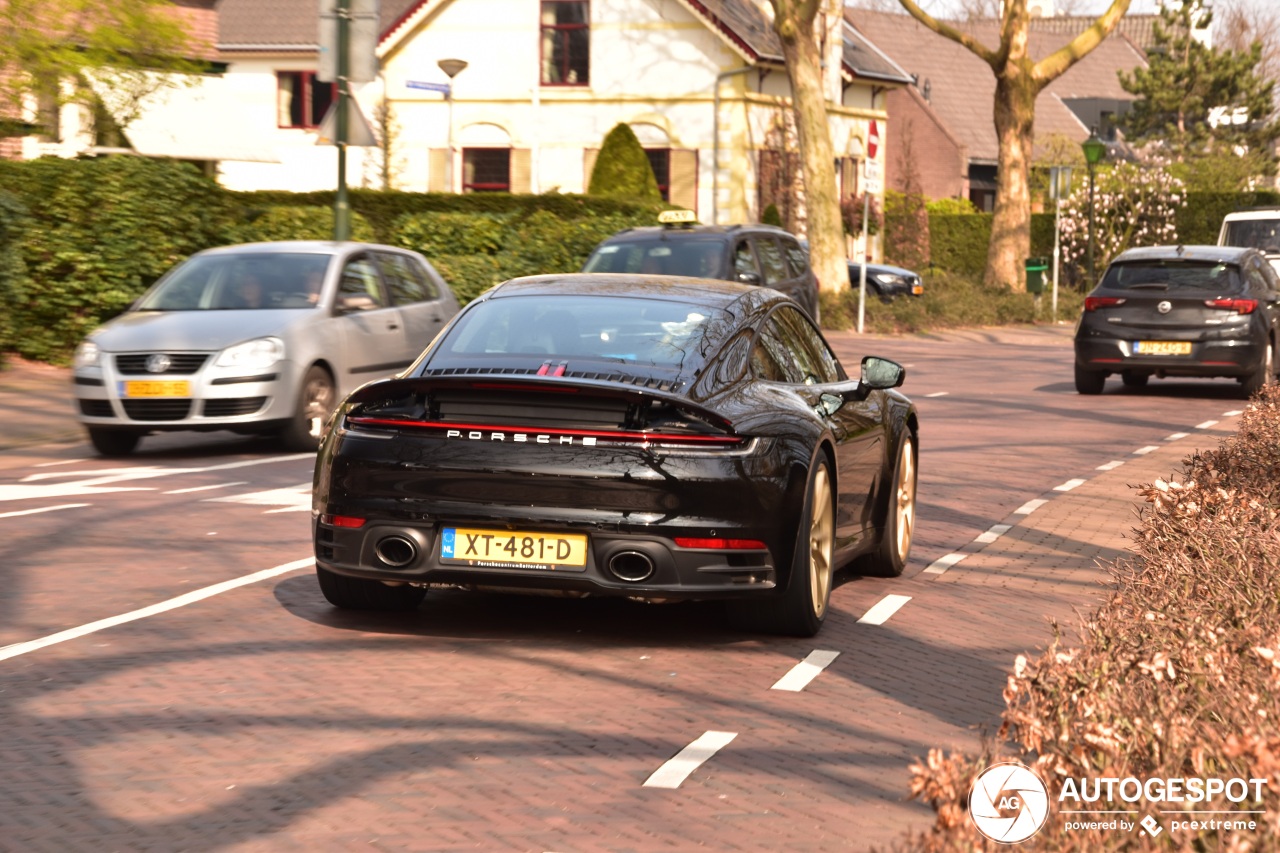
x=1056 y=64
x=987 y=55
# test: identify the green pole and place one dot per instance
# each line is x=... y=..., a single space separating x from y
x=341 y=205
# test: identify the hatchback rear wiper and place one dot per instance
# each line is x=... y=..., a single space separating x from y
x=1150 y=286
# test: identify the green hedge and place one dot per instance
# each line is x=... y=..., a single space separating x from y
x=1200 y=219
x=101 y=232
x=14 y=284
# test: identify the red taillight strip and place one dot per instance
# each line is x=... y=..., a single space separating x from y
x=1093 y=303
x=717 y=544
x=489 y=430
x=1240 y=306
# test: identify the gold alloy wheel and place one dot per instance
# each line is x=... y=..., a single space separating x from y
x=821 y=541
x=904 y=504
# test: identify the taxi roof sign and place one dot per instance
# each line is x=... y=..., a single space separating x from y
x=677 y=217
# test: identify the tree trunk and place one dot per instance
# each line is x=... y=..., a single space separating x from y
x=795 y=28
x=1015 y=104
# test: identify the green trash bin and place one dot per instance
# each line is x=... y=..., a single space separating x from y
x=1037 y=273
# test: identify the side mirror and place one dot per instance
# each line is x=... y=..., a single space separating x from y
x=882 y=373
x=751 y=278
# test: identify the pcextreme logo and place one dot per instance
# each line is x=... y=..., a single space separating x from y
x=1008 y=803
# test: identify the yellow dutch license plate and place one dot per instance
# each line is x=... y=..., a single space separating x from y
x=156 y=388
x=513 y=549
x=1162 y=348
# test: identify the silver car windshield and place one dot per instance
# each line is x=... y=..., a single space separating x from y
x=257 y=281
x=1261 y=234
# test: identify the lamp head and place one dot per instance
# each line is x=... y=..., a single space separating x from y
x=452 y=67
x=1094 y=148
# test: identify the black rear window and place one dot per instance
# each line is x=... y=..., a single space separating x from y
x=1173 y=275
x=1261 y=234
x=700 y=258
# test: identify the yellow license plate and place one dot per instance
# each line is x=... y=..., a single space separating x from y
x=515 y=549
x=155 y=388
x=1162 y=348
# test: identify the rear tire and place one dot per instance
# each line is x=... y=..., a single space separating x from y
x=1263 y=375
x=315 y=403
x=113 y=442
x=803 y=606
x=900 y=517
x=363 y=594
x=1089 y=381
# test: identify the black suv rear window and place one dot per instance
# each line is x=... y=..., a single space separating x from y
x=701 y=258
x=1173 y=275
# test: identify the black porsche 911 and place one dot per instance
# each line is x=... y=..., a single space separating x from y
x=653 y=437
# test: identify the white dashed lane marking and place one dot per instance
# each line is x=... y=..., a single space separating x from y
x=943 y=563
x=1110 y=466
x=938 y=394
x=1069 y=485
x=883 y=609
x=206 y=488
x=1176 y=436
x=1207 y=425
x=1143 y=451
x=807 y=670
x=993 y=534
x=1030 y=507
x=674 y=772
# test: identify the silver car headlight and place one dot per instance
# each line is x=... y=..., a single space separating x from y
x=252 y=355
x=87 y=354
x=887 y=278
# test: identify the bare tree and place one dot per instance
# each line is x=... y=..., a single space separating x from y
x=1240 y=24
x=1019 y=79
x=798 y=23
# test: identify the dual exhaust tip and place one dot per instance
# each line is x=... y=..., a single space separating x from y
x=398 y=551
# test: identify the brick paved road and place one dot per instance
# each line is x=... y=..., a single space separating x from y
x=260 y=719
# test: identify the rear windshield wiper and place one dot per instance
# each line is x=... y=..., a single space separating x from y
x=1152 y=285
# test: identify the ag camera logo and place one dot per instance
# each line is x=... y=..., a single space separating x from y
x=1008 y=803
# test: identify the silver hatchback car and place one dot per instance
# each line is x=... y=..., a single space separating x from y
x=257 y=338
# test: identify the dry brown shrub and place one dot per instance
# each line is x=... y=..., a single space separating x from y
x=1177 y=675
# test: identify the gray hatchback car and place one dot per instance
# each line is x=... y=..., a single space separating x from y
x=257 y=338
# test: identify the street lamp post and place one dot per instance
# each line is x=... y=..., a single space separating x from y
x=1094 y=149
x=452 y=68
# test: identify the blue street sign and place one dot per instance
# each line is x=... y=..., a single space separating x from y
x=442 y=88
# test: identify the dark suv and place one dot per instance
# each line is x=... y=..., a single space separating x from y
x=1180 y=311
x=751 y=254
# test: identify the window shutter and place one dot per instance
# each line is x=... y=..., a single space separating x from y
x=589 y=156
x=684 y=178
x=521 y=171
x=438 y=170
x=848 y=176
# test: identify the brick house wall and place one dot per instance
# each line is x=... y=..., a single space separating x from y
x=922 y=143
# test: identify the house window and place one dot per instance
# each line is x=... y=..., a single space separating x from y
x=302 y=101
x=660 y=160
x=486 y=170
x=566 y=42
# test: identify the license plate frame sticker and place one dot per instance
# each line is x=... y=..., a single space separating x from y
x=155 y=388
x=1162 y=348
x=513 y=549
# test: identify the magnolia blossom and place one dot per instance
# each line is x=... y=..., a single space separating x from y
x=1134 y=204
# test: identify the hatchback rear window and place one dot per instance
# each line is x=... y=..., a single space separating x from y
x=697 y=258
x=1173 y=275
x=640 y=331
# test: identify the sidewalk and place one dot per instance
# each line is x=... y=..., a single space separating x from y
x=36 y=404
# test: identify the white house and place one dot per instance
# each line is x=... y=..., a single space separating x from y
x=701 y=82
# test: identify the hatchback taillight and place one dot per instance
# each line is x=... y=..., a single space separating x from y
x=1093 y=303
x=1240 y=306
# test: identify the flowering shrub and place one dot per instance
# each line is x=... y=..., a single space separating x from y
x=1134 y=204
x=1177 y=675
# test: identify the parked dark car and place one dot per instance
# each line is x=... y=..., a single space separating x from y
x=1180 y=311
x=748 y=254
x=886 y=281
x=621 y=435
